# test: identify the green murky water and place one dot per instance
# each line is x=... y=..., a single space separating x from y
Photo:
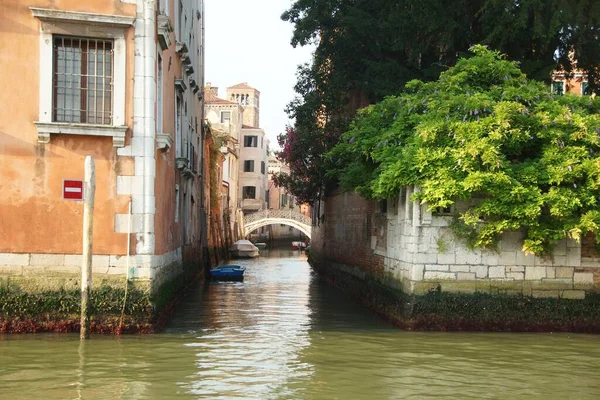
x=283 y=334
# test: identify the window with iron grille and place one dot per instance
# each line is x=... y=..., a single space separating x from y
x=82 y=80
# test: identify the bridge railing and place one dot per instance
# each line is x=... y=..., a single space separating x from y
x=283 y=214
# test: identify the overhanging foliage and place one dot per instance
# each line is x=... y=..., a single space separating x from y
x=371 y=49
x=483 y=133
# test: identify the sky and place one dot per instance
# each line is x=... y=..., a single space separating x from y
x=246 y=41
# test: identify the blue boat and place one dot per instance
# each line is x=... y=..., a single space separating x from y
x=228 y=272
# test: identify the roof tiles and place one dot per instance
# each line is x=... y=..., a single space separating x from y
x=210 y=97
x=243 y=85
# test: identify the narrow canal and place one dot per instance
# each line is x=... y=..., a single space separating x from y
x=284 y=334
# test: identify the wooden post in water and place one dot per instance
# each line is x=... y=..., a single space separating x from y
x=88 y=228
x=221 y=239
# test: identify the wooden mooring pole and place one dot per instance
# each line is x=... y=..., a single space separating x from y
x=88 y=228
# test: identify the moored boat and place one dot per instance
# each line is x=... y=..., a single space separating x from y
x=298 y=245
x=228 y=272
x=260 y=245
x=243 y=248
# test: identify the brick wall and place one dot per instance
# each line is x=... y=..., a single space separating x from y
x=347 y=231
x=589 y=247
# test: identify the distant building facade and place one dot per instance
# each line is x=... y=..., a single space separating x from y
x=225 y=118
x=249 y=98
x=576 y=83
x=254 y=148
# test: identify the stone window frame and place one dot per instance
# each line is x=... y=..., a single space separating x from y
x=82 y=93
x=85 y=25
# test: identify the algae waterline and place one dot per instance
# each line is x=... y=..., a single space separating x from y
x=29 y=305
x=441 y=311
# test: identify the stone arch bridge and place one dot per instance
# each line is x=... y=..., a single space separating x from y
x=269 y=217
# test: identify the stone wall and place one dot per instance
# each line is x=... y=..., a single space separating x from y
x=41 y=292
x=61 y=269
x=415 y=250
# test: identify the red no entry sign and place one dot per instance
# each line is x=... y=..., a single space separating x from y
x=72 y=190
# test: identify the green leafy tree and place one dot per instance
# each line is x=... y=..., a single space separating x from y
x=371 y=49
x=319 y=122
x=517 y=155
x=377 y=46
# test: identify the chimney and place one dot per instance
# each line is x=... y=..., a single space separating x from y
x=213 y=91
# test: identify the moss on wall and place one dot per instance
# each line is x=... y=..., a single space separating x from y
x=52 y=303
x=58 y=310
x=436 y=310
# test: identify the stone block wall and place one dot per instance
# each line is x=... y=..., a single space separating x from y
x=60 y=269
x=417 y=251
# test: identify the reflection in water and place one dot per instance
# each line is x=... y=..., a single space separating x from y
x=250 y=334
x=283 y=334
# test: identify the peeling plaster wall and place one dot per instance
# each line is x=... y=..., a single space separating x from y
x=40 y=233
x=33 y=215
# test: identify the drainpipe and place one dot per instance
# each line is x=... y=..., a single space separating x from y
x=144 y=126
x=228 y=212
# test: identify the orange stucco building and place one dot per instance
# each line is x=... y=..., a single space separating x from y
x=118 y=80
x=576 y=83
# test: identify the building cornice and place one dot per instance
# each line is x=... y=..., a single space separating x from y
x=164 y=141
x=219 y=105
x=45 y=129
x=50 y=15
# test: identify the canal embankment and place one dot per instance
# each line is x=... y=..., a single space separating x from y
x=51 y=302
x=406 y=262
x=437 y=310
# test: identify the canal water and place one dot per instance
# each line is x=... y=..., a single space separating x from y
x=284 y=334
